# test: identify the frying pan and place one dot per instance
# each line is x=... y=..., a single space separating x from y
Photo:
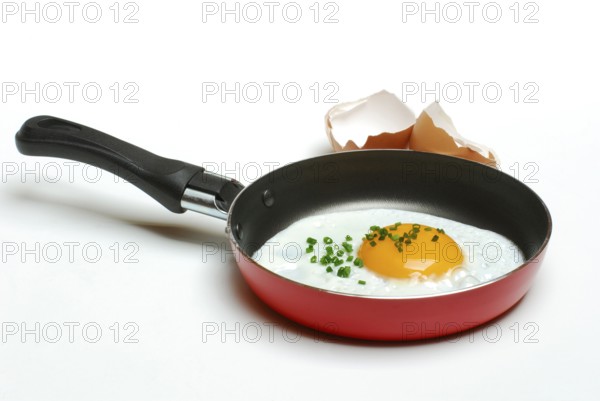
x=445 y=186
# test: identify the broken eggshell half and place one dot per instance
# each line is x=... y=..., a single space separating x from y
x=382 y=121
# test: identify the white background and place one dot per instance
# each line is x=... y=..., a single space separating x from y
x=182 y=280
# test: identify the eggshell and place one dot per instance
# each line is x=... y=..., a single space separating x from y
x=382 y=121
x=434 y=132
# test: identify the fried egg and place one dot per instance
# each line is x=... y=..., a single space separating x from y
x=388 y=252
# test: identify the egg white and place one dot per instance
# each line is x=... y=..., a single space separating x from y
x=486 y=254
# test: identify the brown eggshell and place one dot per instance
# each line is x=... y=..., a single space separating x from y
x=380 y=121
x=387 y=140
x=429 y=136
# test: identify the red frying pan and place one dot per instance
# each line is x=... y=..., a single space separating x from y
x=457 y=189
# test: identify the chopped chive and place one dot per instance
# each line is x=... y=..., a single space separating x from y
x=311 y=241
x=358 y=262
x=329 y=269
x=427 y=228
x=310 y=249
x=374 y=228
x=395 y=237
x=329 y=250
x=348 y=238
x=327 y=240
x=416 y=226
x=349 y=258
x=369 y=236
x=340 y=253
x=347 y=247
x=362 y=282
x=325 y=260
x=337 y=262
x=408 y=242
x=435 y=238
x=372 y=243
x=441 y=231
x=313 y=259
x=344 y=271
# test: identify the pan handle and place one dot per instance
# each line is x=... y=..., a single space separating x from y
x=177 y=185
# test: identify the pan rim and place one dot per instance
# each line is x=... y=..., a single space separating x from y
x=442 y=157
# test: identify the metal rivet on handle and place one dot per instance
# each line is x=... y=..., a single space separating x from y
x=237 y=231
x=268 y=198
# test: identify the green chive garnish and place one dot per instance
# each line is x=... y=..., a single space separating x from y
x=349 y=259
x=329 y=250
x=435 y=238
x=344 y=272
x=311 y=241
x=358 y=262
x=372 y=243
x=329 y=269
x=310 y=249
x=348 y=238
x=362 y=282
x=313 y=259
x=340 y=253
x=327 y=240
x=347 y=246
x=427 y=228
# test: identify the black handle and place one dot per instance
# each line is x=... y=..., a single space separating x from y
x=165 y=180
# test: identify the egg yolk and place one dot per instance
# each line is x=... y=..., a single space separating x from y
x=405 y=250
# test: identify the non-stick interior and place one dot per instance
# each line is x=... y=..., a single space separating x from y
x=439 y=185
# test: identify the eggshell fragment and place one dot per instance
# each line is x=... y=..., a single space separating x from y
x=434 y=132
x=380 y=121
